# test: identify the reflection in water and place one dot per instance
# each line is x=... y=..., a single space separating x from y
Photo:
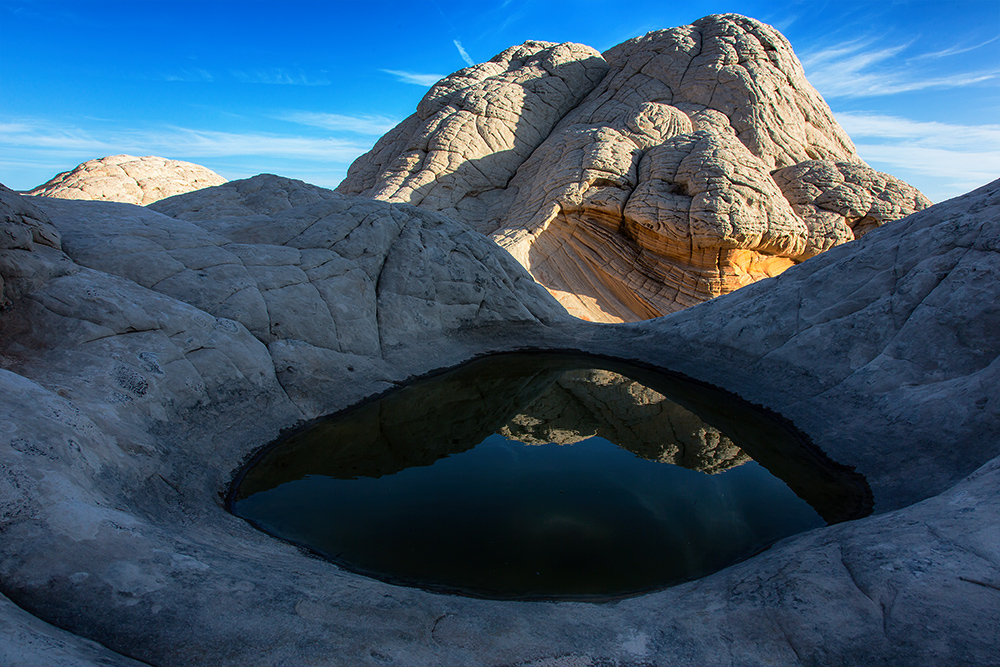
x=545 y=477
x=584 y=403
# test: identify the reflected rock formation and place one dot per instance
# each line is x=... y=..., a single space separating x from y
x=515 y=396
x=585 y=403
x=562 y=399
x=548 y=477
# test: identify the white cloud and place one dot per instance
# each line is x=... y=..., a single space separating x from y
x=197 y=75
x=862 y=69
x=465 y=56
x=426 y=80
x=942 y=159
x=278 y=76
x=934 y=133
x=32 y=151
x=376 y=125
x=955 y=50
x=32 y=138
x=953 y=172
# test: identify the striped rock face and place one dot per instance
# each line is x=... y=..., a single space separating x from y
x=673 y=168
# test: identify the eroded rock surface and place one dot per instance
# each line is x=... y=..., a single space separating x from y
x=129 y=179
x=702 y=161
x=265 y=194
x=350 y=277
x=474 y=128
x=129 y=399
x=30 y=247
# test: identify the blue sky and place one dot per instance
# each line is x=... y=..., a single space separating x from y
x=302 y=88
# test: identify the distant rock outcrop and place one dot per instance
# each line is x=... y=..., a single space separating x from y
x=679 y=166
x=129 y=179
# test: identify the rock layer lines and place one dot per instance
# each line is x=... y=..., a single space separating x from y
x=702 y=160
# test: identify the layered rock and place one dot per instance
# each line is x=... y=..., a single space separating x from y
x=129 y=179
x=701 y=162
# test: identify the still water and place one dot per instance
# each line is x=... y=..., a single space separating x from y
x=545 y=477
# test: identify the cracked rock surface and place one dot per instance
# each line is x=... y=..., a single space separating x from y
x=474 y=128
x=129 y=179
x=30 y=247
x=699 y=162
x=137 y=379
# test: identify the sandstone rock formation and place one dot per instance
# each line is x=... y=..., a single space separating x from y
x=702 y=161
x=129 y=179
x=136 y=381
x=474 y=128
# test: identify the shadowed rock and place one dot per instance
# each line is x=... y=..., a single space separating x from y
x=30 y=247
x=129 y=399
x=265 y=194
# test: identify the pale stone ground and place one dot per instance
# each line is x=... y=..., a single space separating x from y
x=144 y=365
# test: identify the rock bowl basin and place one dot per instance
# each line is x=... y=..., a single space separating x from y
x=132 y=395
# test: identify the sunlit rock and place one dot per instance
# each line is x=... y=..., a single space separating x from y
x=702 y=161
x=128 y=179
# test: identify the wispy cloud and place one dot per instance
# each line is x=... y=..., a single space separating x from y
x=956 y=158
x=373 y=125
x=171 y=141
x=461 y=51
x=279 y=76
x=196 y=75
x=866 y=68
x=956 y=50
x=935 y=133
x=425 y=80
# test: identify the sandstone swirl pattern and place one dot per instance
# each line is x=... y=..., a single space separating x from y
x=701 y=161
x=129 y=179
